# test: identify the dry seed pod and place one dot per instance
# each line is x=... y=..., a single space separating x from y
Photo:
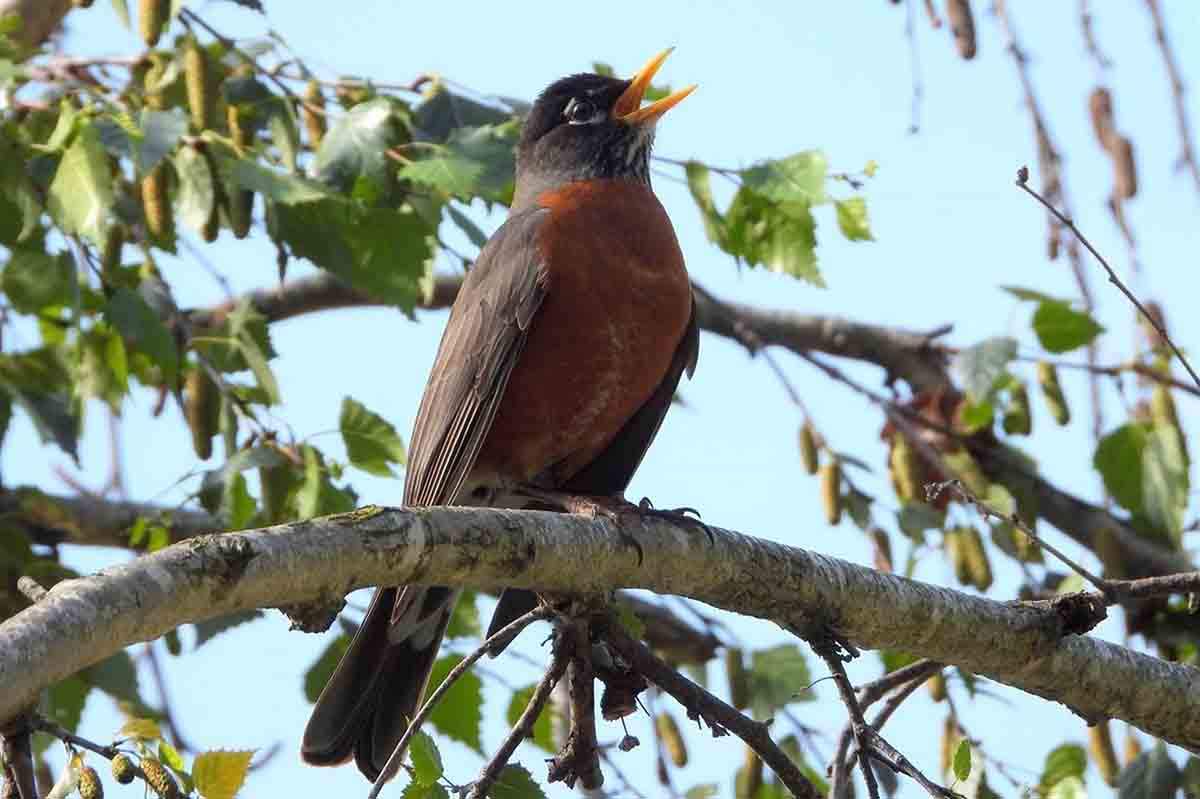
x=1017 y=421
x=881 y=545
x=122 y=769
x=313 y=112
x=1028 y=550
x=956 y=549
x=152 y=15
x=1101 y=746
x=735 y=675
x=1052 y=392
x=89 y=784
x=155 y=206
x=1101 y=111
x=237 y=129
x=808 y=448
x=967 y=470
x=1133 y=747
x=906 y=469
x=82 y=3
x=159 y=780
x=749 y=777
x=150 y=78
x=937 y=687
x=199 y=79
x=672 y=739
x=978 y=564
x=239 y=204
x=962 y=25
x=202 y=406
x=1125 y=168
x=831 y=491
x=949 y=744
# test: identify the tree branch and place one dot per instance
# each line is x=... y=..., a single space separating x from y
x=82 y=621
x=39 y=18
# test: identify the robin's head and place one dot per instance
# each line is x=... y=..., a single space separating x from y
x=590 y=126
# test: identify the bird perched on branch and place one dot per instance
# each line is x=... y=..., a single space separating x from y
x=556 y=368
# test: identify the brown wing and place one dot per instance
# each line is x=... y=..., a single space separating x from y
x=483 y=340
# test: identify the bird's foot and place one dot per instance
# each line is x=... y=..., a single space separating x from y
x=684 y=515
x=614 y=509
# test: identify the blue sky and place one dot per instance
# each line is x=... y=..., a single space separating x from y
x=774 y=78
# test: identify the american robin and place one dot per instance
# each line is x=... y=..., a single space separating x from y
x=558 y=363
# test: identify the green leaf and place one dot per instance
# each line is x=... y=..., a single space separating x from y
x=20 y=190
x=894 y=659
x=1060 y=328
x=197 y=192
x=468 y=227
x=210 y=628
x=372 y=443
x=705 y=790
x=215 y=483
x=317 y=495
x=160 y=132
x=975 y=416
x=1153 y=775
x=473 y=161
x=1066 y=760
x=219 y=775
x=282 y=121
x=1067 y=788
x=276 y=186
x=143 y=330
x=63 y=702
x=356 y=146
x=459 y=715
x=115 y=676
x=256 y=358
x=852 y=219
x=122 y=10
x=236 y=503
x=170 y=757
x=464 y=621
x=415 y=790
x=426 y=759
x=1165 y=481
x=322 y=668
x=444 y=111
x=1118 y=458
x=981 y=365
x=962 y=760
x=778 y=235
x=515 y=782
x=381 y=251
x=797 y=177
x=1029 y=295
x=34 y=280
x=80 y=197
x=778 y=676
x=543 y=727
x=915 y=518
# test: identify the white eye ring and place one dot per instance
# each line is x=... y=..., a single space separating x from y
x=582 y=112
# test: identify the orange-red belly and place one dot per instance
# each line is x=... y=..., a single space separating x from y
x=617 y=305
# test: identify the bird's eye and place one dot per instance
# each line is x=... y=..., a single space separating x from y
x=581 y=112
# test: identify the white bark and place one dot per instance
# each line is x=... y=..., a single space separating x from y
x=82 y=621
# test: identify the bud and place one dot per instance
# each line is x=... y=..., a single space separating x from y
x=1100 y=109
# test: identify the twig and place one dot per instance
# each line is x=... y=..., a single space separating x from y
x=1187 y=157
x=1089 y=37
x=1023 y=183
x=1115 y=370
x=719 y=716
x=934 y=490
x=43 y=724
x=870 y=693
x=578 y=759
x=827 y=650
x=393 y=762
x=524 y=726
x=914 y=66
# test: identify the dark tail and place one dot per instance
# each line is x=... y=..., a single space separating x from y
x=368 y=702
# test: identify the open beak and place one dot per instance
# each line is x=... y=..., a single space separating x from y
x=628 y=106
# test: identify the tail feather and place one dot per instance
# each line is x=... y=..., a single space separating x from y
x=367 y=704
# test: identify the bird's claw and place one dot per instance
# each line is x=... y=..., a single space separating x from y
x=685 y=514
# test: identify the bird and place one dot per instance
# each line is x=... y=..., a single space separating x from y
x=560 y=358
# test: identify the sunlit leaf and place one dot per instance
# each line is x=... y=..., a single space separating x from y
x=852 y=219
x=459 y=716
x=1060 y=328
x=962 y=760
x=982 y=364
x=372 y=443
x=426 y=759
x=1118 y=458
x=34 y=279
x=220 y=774
x=356 y=146
x=81 y=194
x=515 y=782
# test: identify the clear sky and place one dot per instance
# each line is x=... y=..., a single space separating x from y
x=774 y=78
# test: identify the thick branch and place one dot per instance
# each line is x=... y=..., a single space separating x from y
x=82 y=621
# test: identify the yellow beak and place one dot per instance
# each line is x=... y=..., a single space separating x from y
x=628 y=106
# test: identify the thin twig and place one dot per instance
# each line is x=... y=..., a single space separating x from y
x=1187 y=156
x=578 y=759
x=889 y=708
x=524 y=726
x=43 y=724
x=1102 y=61
x=1115 y=370
x=720 y=717
x=914 y=67
x=1023 y=183
x=511 y=629
x=828 y=651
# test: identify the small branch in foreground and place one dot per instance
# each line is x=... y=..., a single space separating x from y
x=719 y=716
x=1023 y=183
x=579 y=758
x=505 y=633
x=1187 y=157
x=524 y=726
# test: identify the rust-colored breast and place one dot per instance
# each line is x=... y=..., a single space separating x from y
x=617 y=305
